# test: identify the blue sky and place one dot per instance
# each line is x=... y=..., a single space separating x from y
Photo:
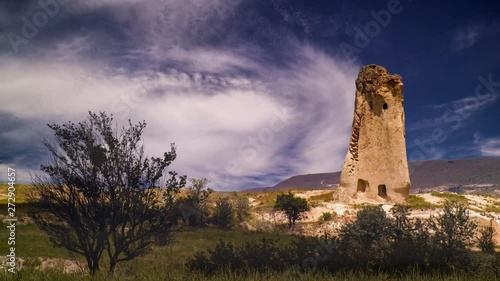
x=251 y=91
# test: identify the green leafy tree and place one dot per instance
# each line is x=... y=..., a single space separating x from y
x=223 y=214
x=99 y=194
x=294 y=207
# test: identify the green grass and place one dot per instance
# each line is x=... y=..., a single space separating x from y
x=266 y=201
x=495 y=208
x=167 y=263
x=362 y=205
x=450 y=196
x=21 y=192
x=32 y=242
x=418 y=203
x=325 y=197
x=161 y=273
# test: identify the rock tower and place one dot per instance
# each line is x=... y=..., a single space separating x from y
x=376 y=169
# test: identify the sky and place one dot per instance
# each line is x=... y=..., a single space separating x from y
x=250 y=91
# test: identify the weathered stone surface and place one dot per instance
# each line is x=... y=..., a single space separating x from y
x=376 y=169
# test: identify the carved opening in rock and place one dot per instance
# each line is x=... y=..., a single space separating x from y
x=382 y=191
x=384 y=106
x=362 y=185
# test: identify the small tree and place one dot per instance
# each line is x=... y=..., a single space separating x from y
x=294 y=207
x=193 y=206
x=454 y=231
x=100 y=193
x=412 y=238
x=241 y=205
x=368 y=239
x=486 y=241
x=223 y=212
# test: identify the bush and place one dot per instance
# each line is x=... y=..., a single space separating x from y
x=261 y=255
x=486 y=241
x=223 y=213
x=454 y=233
x=368 y=238
x=373 y=242
x=193 y=207
x=241 y=206
x=327 y=216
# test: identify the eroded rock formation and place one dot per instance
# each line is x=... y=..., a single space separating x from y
x=376 y=168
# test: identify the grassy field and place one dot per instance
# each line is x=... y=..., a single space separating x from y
x=418 y=203
x=168 y=262
x=20 y=192
x=450 y=196
x=165 y=274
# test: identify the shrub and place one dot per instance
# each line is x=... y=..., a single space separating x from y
x=327 y=216
x=223 y=213
x=373 y=242
x=193 y=207
x=486 y=241
x=261 y=255
x=368 y=238
x=453 y=233
x=241 y=206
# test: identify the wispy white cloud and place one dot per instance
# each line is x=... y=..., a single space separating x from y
x=236 y=117
x=454 y=114
x=487 y=146
x=467 y=37
x=209 y=116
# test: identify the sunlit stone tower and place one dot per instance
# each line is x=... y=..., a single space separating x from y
x=376 y=168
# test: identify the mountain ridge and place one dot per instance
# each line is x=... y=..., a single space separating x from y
x=458 y=175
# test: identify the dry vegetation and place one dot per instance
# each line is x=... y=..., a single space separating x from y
x=43 y=262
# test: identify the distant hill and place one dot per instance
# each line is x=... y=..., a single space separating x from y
x=459 y=175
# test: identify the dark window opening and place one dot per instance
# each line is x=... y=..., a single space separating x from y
x=384 y=106
x=382 y=191
x=362 y=185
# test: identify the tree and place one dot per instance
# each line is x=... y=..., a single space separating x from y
x=454 y=231
x=100 y=193
x=486 y=241
x=293 y=207
x=223 y=212
x=368 y=239
x=411 y=245
x=241 y=206
x=193 y=206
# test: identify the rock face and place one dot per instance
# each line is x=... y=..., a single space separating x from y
x=376 y=169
